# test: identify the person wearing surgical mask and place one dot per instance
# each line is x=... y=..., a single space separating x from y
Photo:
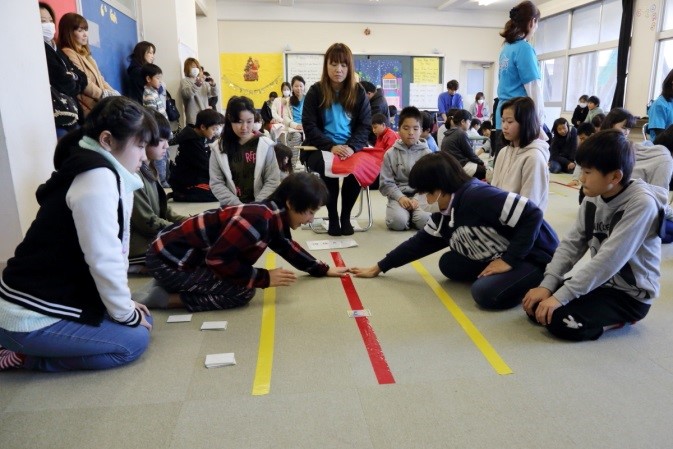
x=479 y=109
x=280 y=109
x=63 y=75
x=581 y=111
x=194 y=90
x=245 y=168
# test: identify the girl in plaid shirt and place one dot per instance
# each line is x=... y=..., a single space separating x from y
x=208 y=259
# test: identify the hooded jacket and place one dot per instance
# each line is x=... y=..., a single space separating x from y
x=562 y=149
x=191 y=162
x=72 y=262
x=397 y=163
x=482 y=223
x=524 y=171
x=622 y=236
x=458 y=145
x=267 y=174
x=654 y=165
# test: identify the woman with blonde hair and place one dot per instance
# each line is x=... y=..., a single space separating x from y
x=337 y=119
x=73 y=39
x=194 y=90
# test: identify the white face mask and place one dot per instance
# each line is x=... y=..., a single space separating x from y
x=256 y=126
x=480 y=101
x=582 y=105
x=48 y=31
x=194 y=72
x=286 y=93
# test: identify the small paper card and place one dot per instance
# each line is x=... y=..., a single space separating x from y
x=218 y=360
x=359 y=313
x=179 y=318
x=214 y=325
x=316 y=245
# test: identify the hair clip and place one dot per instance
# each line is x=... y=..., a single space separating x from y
x=513 y=13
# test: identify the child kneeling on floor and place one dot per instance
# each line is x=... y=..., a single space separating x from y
x=208 y=259
x=619 y=223
x=498 y=240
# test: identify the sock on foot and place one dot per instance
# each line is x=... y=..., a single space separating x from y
x=347 y=227
x=10 y=359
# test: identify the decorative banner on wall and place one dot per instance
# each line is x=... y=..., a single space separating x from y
x=383 y=73
x=426 y=70
x=253 y=75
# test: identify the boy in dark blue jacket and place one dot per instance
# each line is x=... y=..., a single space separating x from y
x=498 y=239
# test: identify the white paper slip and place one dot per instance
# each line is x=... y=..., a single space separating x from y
x=359 y=313
x=179 y=318
x=217 y=360
x=214 y=325
x=316 y=245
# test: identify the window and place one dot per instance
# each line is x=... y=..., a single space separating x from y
x=585 y=26
x=592 y=73
x=552 y=34
x=553 y=75
x=668 y=16
x=583 y=61
x=664 y=65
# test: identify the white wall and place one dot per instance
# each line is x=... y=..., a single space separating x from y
x=27 y=135
x=209 y=52
x=455 y=43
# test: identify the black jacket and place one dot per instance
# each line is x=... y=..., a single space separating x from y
x=563 y=149
x=192 y=161
x=314 y=126
x=135 y=84
x=379 y=105
x=63 y=75
x=579 y=115
x=458 y=145
x=49 y=263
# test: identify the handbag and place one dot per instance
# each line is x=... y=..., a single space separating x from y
x=66 y=113
x=171 y=109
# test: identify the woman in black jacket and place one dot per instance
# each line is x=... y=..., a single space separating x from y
x=63 y=75
x=143 y=53
x=337 y=119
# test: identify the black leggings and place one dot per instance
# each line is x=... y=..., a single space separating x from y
x=349 y=190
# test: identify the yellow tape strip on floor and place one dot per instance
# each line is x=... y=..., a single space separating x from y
x=262 y=382
x=470 y=329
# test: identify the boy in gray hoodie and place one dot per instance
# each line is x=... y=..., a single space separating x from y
x=403 y=207
x=619 y=222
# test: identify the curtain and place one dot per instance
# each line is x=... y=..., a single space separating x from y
x=623 y=52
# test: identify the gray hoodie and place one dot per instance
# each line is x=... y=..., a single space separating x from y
x=524 y=171
x=397 y=163
x=623 y=242
x=654 y=164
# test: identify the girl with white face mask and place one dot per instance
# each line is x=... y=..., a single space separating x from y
x=280 y=109
x=194 y=90
x=581 y=111
x=479 y=108
x=63 y=75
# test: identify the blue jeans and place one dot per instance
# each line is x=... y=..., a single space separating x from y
x=68 y=345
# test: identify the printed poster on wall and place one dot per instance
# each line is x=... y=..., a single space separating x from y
x=426 y=70
x=252 y=75
x=383 y=73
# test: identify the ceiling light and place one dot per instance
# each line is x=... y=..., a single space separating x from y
x=486 y=2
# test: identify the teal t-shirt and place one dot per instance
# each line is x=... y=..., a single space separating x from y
x=518 y=66
x=297 y=110
x=337 y=123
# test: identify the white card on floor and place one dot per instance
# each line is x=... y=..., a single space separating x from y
x=217 y=360
x=214 y=325
x=316 y=245
x=179 y=318
x=359 y=313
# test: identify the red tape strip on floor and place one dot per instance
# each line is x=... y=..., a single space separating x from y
x=376 y=356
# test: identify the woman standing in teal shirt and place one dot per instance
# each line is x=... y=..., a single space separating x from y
x=519 y=74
